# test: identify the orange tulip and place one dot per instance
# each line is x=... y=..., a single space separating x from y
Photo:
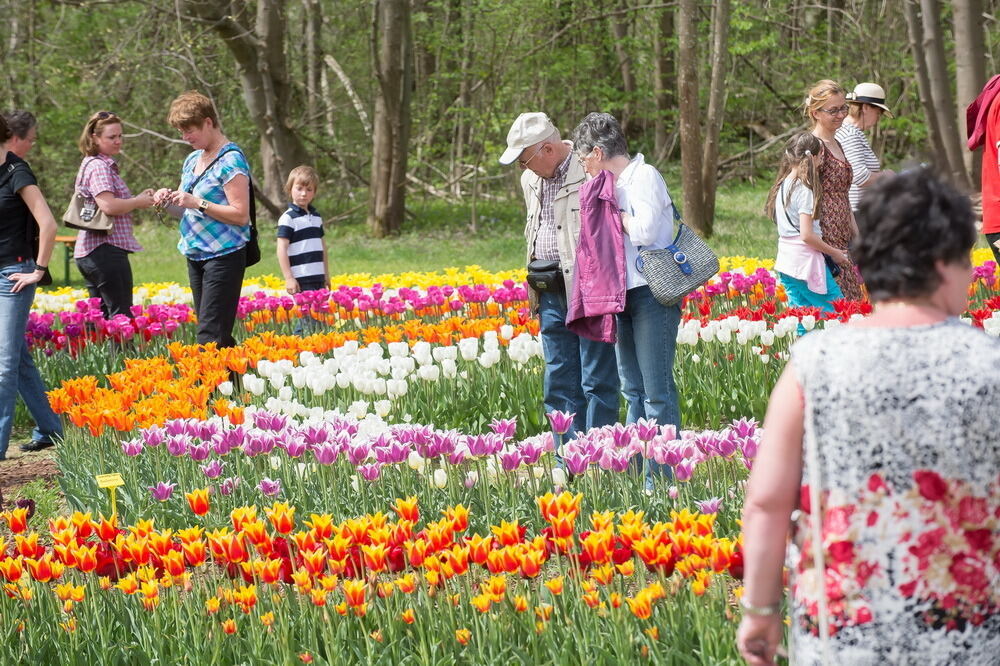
x=282 y=517
x=416 y=552
x=520 y=603
x=626 y=568
x=321 y=525
x=256 y=533
x=481 y=603
x=463 y=636
x=229 y=626
x=28 y=546
x=641 y=606
x=592 y=599
x=242 y=515
x=615 y=599
x=375 y=556
x=69 y=592
x=107 y=528
x=603 y=574
x=337 y=546
x=602 y=521
x=128 y=584
x=495 y=587
x=354 y=592
x=543 y=612
x=507 y=533
x=173 y=563
x=194 y=553
x=212 y=605
x=12 y=568
x=407 y=583
x=83 y=524
x=531 y=563
x=44 y=569
x=700 y=584
x=318 y=596
x=17 y=519
x=407 y=509
x=459 y=517
x=198 y=501
x=408 y=616
x=314 y=561
x=555 y=585
x=479 y=548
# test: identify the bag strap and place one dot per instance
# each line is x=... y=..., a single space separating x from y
x=253 y=204
x=785 y=208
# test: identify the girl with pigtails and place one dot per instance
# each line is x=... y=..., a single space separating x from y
x=806 y=264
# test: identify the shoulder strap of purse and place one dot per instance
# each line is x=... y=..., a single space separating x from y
x=8 y=174
x=784 y=207
x=253 y=204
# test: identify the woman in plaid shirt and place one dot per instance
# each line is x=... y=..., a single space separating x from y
x=102 y=256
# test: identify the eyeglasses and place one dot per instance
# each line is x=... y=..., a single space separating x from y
x=524 y=163
x=839 y=111
x=582 y=159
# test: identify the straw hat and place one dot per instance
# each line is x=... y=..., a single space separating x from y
x=869 y=93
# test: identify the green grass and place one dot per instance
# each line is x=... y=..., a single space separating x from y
x=437 y=235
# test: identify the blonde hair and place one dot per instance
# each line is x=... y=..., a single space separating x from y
x=94 y=127
x=301 y=174
x=798 y=160
x=818 y=96
x=192 y=109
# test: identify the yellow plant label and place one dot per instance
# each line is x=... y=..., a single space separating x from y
x=109 y=480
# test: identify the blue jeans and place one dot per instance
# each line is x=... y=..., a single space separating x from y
x=647 y=339
x=18 y=373
x=580 y=374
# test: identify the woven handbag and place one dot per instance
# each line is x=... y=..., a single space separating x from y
x=679 y=268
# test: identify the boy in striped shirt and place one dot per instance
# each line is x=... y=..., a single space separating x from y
x=300 y=246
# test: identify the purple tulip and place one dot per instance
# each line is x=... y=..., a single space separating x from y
x=504 y=427
x=370 y=472
x=647 y=429
x=458 y=456
x=619 y=461
x=326 y=453
x=213 y=469
x=576 y=462
x=358 y=453
x=132 y=447
x=269 y=487
x=177 y=445
x=510 y=460
x=153 y=436
x=684 y=470
x=229 y=485
x=621 y=435
x=711 y=505
x=561 y=421
x=198 y=452
x=531 y=452
x=162 y=491
x=745 y=427
x=295 y=448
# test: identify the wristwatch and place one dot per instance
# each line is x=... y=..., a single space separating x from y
x=39 y=267
x=203 y=205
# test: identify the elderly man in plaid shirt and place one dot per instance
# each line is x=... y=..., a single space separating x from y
x=581 y=375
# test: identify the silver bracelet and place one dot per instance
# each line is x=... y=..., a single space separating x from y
x=763 y=611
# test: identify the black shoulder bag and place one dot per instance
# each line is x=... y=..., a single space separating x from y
x=253 y=245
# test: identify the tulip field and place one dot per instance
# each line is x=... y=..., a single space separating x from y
x=386 y=488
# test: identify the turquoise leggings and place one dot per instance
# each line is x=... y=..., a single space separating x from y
x=799 y=294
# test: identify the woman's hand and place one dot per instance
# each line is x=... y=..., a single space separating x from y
x=22 y=280
x=291 y=285
x=183 y=199
x=758 y=638
x=146 y=199
x=842 y=258
x=162 y=196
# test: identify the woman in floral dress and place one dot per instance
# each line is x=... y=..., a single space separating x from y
x=826 y=106
x=892 y=460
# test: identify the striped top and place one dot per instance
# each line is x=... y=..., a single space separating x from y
x=304 y=231
x=861 y=156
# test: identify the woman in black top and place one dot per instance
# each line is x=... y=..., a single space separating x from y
x=23 y=210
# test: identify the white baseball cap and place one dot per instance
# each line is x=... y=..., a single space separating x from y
x=527 y=130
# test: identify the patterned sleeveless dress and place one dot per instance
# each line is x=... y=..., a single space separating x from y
x=835 y=217
x=908 y=452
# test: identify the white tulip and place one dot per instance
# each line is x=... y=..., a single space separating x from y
x=416 y=461
x=285 y=393
x=382 y=407
x=440 y=478
x=226 y=388
x=506 y=331
x=558 y=476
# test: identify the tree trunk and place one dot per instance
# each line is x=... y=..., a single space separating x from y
x=716 y=110
x=619 y=33
x=392 y=64
x=970 y=68
x=940 y=89
x=314 y=59
x=923 y=81
x=260 y=57
x=690 y=122
x=663 y=80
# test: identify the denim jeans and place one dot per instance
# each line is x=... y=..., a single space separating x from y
x=215 y=287
x=647 y=339
x=580 y=374
x=18 y=373
x=108 y=275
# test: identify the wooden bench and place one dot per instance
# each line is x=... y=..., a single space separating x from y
x=69 y=243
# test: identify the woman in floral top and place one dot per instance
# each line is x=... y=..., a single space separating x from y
x=891 y=462
x=102 y=256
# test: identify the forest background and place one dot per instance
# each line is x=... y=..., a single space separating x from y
x=404 y=105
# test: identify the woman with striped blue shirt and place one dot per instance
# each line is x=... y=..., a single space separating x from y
x=867 y=105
